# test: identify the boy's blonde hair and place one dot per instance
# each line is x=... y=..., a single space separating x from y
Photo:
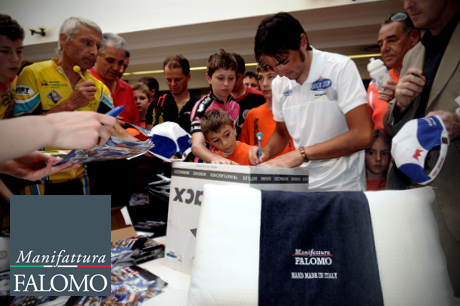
x=144 y=88
x=221 y=60
x=214 y=120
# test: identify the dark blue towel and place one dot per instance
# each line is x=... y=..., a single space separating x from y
x=317 y=248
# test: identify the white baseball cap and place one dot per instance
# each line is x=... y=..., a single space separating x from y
x=169 y=138
x=413 y=143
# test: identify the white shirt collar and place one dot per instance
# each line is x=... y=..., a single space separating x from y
x=316 y=66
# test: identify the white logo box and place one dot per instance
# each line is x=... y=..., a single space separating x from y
x=186 y=195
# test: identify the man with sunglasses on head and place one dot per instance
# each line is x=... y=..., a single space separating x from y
x=429 y=85
x=319 y=99
x=397 y=35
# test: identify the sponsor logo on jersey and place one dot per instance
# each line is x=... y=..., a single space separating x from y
x=321 y=84
x=6 y=99
x=287 y=93
x=23 y=90
x=57 y=84
x=54 y=96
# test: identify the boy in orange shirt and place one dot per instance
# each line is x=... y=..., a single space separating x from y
x=260 y=119
x=219 y=131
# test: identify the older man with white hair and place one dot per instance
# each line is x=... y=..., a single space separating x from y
x=111 y=58
x=54 y=86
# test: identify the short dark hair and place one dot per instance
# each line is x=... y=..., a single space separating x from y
x=250 y=74
x=152 y=83
x=221 y=60
x=241 y=63
x=10 y=28
x=277 y=34
x=178 y=61
x=214 y=120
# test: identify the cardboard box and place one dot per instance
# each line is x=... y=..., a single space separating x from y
x=186 y=194
x=121 y=227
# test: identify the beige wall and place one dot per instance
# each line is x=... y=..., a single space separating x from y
x=124 y=16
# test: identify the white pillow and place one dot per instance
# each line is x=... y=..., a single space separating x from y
x=412 y=265
x=411 y=262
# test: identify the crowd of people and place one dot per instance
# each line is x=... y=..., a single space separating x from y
x=311 y=107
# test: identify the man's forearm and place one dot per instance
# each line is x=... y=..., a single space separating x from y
x=277 y=143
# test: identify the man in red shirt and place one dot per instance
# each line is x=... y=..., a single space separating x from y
x=397 y=35
x=111 y=58
x=110 y=177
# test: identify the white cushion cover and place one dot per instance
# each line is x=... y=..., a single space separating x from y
x=411 y=262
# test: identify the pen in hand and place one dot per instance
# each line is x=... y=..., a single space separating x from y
x=259 y=138
x=116 y=111
x=113 y=113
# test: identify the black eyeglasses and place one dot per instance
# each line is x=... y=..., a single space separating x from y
x=398 y=17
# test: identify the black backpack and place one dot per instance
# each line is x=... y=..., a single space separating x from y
x=159 y=109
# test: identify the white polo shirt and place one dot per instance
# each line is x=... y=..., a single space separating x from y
x=314 y=112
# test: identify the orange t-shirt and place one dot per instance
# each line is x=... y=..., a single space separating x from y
x=240 y=155
x=376 y=185
x=378 y=107
x=136 y=132
x=260 y=119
